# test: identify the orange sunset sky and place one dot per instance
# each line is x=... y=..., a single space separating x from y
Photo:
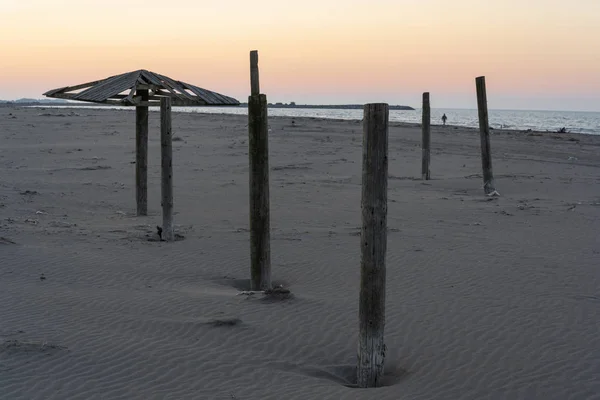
x=535 y=54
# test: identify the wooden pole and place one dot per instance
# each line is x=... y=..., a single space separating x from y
x=166 y=163
x=254 y=84
x=371 y=311
x=484 y=129
x=426 y=138
x=141 y=155
x=260 y=248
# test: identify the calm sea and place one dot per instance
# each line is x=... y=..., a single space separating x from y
x=572 y=121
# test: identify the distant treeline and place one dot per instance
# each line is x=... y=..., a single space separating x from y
x=33 y=102
x=48 y=102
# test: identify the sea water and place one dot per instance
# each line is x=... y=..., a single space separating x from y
x=575 y=122
x=552 y=121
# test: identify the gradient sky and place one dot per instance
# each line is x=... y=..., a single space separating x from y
x=535 y=54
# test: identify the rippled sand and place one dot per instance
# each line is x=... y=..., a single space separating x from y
x=486 y=298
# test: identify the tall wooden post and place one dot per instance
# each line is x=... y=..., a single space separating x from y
x=258 y=143
x=371 y=346
x=260 y=248
x=254 y=84
x=166 y=164
x=484 y=129
x=426 y=138
x=141 y=154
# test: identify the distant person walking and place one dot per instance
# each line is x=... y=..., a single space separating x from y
x=444 y=118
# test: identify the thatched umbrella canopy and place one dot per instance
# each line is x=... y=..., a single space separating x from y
x=142 y=89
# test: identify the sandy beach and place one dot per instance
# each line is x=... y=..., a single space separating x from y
x=487 y=298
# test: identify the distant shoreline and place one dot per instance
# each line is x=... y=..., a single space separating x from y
x=543 y=123
x=330 y=106
x=270 y=105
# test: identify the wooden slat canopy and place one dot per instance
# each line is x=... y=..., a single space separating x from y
x=122 y=90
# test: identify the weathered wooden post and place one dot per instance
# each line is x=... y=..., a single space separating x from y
x=258 y=151
x=141 y=154
x=426 y=138
x=484 y=130
x=166 y=164
x=254 y=82
x=371 y=311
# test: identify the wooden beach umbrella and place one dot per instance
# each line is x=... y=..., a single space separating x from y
x=142 y=89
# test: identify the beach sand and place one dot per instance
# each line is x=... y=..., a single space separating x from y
x=486 y=298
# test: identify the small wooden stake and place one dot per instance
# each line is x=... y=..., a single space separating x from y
x=141 y=155
x=426 y=138
x=166 y=163
x=260 y=248
x=371 y=346
x=254 y=83
x=484 y=130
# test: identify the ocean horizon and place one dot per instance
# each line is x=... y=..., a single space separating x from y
x=583 y=122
